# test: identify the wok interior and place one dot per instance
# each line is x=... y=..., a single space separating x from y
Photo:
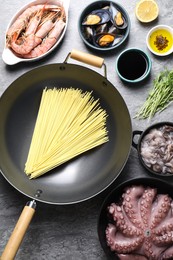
x=83 y=176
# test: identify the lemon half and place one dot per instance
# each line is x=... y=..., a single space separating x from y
x=146 y=10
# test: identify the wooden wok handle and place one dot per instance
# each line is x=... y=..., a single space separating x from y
x=19 y=231
x=87 y=58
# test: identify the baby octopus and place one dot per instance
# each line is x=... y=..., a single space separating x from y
x=157 y=149
x=141 y=225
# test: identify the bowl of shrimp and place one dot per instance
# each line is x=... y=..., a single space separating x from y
x=155 y=148
x=35 y=31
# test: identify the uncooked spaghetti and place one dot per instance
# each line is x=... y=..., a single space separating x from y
x=69 y=122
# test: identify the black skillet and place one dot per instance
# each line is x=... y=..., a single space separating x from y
x=88 y=174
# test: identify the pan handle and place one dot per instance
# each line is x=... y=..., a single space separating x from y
x=136 y=132
x=88 y=59
x=19 y=231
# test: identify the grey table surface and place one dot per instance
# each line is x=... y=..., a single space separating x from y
x=70 y=232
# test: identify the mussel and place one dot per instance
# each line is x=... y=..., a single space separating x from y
x=106 y=39
x=117 y=18
x=97 y=17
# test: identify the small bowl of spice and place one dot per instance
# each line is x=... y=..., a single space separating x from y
x=160 y=40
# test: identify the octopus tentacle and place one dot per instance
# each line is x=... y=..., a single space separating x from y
x=120 y=243
x=151 y=251
x=160 y=209
x=168 y=254
x=146 y=204
x=164 y=239
x=165 y=226
x=131 y=204
x=122 y=221
x=131 y=257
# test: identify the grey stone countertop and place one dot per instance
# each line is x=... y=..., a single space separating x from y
x=70 y=232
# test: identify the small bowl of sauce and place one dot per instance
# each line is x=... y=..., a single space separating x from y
x=133 y=65
x=160 y=40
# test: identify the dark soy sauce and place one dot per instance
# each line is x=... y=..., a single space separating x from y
x=132 y=65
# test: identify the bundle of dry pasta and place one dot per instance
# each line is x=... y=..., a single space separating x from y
x=68 y=123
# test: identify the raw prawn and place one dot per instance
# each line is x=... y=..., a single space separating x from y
x=26 y=43
x=33 y=37
x=22 y=21
x=48 y=42
x=28 y=32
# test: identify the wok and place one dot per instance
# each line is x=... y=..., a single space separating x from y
x=82 y=177
x=86 y=175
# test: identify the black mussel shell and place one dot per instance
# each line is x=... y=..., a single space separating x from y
x=113 y=29
x=117 y=18
x=104 y=40
x=102 y=28
x=118 y=38
x=88 y=33
x=120 y=21
x=97 y=17
x=106 y=7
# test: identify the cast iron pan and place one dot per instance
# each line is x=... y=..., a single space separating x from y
x=88 y=174
x=114 y=197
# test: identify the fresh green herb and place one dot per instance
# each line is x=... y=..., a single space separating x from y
x=160 y=96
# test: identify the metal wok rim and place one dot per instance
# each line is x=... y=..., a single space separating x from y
x=115 y=174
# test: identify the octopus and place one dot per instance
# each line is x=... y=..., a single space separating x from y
x=140 y=225
x=157 y=150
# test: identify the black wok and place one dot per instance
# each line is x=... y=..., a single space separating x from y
x=88 y=174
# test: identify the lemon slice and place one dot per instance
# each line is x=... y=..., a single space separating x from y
x=147 y=10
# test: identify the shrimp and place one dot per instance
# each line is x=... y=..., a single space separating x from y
x=48 y=42
x=34 y=33
x=21 y=23
x=26 y=43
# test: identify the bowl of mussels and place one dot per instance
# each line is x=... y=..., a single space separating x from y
x=104 y=25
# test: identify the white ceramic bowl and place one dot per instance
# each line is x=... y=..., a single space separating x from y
x=159 y=31
x=9 y=56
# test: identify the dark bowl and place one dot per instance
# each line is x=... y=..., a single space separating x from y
x=162 y=188
x=99 y=5
x=126 y=65
x=137 y=145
